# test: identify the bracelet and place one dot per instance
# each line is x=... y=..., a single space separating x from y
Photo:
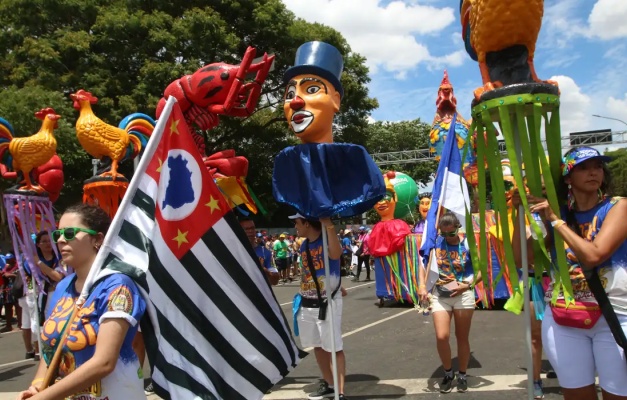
x=557 y=223
x=330 y=227
x=36 y=381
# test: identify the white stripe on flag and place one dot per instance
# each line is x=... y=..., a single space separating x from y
x=455 y=196
x=149 y=186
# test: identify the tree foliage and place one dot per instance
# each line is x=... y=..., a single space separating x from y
x=127 y=51
x=386 y=137
x=618 y=169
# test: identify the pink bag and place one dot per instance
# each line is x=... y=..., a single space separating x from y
x=582 y=314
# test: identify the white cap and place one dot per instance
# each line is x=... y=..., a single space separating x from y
x=296 y=216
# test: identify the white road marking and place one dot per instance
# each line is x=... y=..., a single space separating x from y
x=354 y=331
x=350 y=288
x=390 y=387
x=17 y=362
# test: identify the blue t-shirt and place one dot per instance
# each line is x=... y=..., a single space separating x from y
x=114 y=296
x=454 y=262
x=346 y=245
x=265 y=258
x=307 y=284
x=612 y=272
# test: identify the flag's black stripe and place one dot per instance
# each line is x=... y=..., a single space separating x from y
x=221 y=251
x=144 y=202
x=233 y=222
x=132 y=235
x=181 y=378
x=196 y=317
x=112 y=262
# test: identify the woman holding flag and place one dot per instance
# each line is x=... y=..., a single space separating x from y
x=453 y=298
x=97 y=360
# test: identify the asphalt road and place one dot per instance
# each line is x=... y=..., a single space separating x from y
x=390 y=354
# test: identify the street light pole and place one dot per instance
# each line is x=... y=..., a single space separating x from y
x=614 y=119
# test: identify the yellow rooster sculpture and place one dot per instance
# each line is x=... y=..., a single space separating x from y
x=102 y=140
x=501 y=36
x=25 y=154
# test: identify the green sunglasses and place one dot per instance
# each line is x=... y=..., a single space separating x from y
x=450 y=234
x=70 y=233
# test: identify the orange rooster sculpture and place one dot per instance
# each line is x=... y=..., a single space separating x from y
x=501 y=36
x=26 y=154
x=102 y=140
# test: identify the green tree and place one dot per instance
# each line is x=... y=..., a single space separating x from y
x=384 y=137
x=126 y=52
x=618 y=168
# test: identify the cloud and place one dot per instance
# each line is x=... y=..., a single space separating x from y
x=607 y=19
x=563 y=22
x=386 y=34
x=616 y=108
x=574 y=106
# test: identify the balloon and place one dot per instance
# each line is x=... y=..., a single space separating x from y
x=406 y=194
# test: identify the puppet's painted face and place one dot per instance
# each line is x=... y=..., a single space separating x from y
x=310 y=105
x=386 y=206
x=425 y=204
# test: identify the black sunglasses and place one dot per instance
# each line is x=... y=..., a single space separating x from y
x=70 y=233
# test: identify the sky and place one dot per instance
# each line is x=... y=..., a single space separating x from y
x=408 y=44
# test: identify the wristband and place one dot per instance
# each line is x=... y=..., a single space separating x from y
x=557 y=223
x=37 y=381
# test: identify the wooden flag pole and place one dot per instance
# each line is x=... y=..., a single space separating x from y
x=53 y=367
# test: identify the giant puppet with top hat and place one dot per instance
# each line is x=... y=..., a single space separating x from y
x=320 y=178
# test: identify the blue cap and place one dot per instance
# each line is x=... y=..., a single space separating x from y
x=362 y=228
x=579 y=155
x=321 y=59
x=9 y=256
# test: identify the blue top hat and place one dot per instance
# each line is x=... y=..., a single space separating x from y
x=318 y=58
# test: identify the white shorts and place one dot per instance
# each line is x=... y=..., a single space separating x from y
x=316 y=333
x=576 y=354
x=29 y=315
x=464 y=302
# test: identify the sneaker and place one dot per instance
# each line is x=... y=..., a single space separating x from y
x=29 y=354
x=462 y=384
x=342 y=397
x=538 y=393
x=323 y=392
x=447 y=384
x=37 y=357
x=149 y=389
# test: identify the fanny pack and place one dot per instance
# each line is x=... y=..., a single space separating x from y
x=582 y=314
